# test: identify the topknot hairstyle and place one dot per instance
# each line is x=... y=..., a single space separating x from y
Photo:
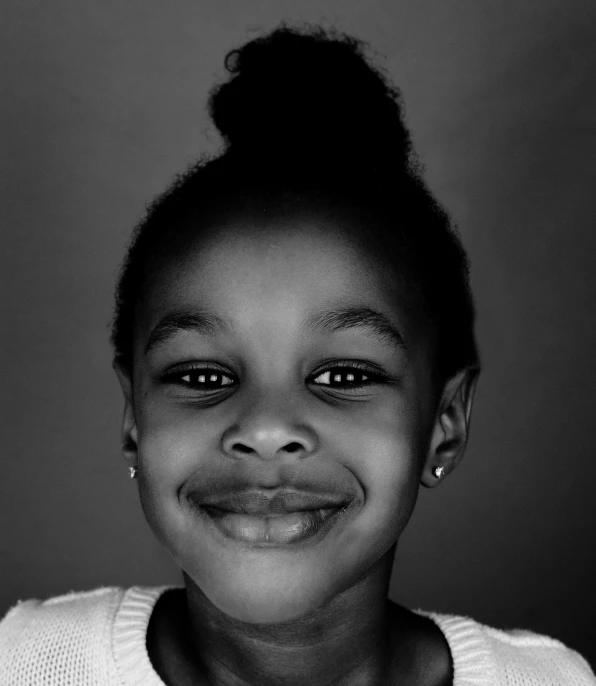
x=310 y=94
x=308 y=122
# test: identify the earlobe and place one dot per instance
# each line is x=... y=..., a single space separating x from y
x=451 y=428
x=129 y=425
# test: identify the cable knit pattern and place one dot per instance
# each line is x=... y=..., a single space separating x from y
x=98 y=639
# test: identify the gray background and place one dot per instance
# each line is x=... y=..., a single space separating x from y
x=103 y=101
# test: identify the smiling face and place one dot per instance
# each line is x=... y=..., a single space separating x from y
x=281 y=412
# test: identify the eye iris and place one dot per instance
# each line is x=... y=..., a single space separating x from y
x=210 y=379
x=350 y=377
x=342 y=378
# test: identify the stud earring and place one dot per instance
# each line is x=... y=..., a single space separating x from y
x=438 y=471
x=133 y=472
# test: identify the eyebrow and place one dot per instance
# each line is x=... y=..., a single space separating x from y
x=346 y=318
x=340 y=319
x=199 y=321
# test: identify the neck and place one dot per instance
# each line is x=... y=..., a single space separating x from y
x=345 y=642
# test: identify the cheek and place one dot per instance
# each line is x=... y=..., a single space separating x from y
x=385 y=454
x=172 y=445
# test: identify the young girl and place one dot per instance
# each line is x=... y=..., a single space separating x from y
x=294 y=339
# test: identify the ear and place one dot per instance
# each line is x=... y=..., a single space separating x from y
x=452 y=426
x=129 y=424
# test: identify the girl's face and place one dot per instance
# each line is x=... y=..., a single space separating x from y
x=281 y=411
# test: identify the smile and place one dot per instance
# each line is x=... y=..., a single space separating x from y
x=275 y=529
x=288 y=517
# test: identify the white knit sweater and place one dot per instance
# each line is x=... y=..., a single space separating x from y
x=98 y=639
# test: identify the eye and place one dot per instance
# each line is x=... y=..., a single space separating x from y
x=340 y=378
x=201 y=379
x=346 y=376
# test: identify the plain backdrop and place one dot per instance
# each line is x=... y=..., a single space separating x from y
x=103 y=102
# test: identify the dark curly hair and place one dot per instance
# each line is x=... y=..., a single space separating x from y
x=308 y=122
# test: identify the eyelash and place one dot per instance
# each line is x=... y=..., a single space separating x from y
x=200 y=377
x=369 y=376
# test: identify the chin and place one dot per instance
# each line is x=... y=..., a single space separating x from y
x=268 y=598
x=266 y=610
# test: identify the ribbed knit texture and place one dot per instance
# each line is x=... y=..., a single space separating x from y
x=483 y=655
x=98 y=639
x=63 y=640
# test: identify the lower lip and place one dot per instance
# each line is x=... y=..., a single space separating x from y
x=292 y=527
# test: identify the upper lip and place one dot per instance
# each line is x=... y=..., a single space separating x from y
x=258 y=502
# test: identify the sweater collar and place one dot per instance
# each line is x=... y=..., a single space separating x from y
x=472 y=661
x=129 y=636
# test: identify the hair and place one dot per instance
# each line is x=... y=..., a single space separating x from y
x=307 y=121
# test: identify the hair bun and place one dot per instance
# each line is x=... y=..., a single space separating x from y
x=310 y=95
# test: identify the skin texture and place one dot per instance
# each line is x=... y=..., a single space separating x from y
x=315 y=611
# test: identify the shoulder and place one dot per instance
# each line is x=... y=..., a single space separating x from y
x=523 y=652
x=486 y=655
x=69 y=612
x=58 y=639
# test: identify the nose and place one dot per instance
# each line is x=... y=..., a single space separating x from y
x=269 y=433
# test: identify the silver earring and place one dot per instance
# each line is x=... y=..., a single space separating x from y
x=438 y=471
x=133 y=472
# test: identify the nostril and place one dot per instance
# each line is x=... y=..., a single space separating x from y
x=266 y=447
x=241 y=448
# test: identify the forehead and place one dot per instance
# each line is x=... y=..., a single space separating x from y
x=268 y=281
x=246 y=266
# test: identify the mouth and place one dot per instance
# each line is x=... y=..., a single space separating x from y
x=288 y=517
